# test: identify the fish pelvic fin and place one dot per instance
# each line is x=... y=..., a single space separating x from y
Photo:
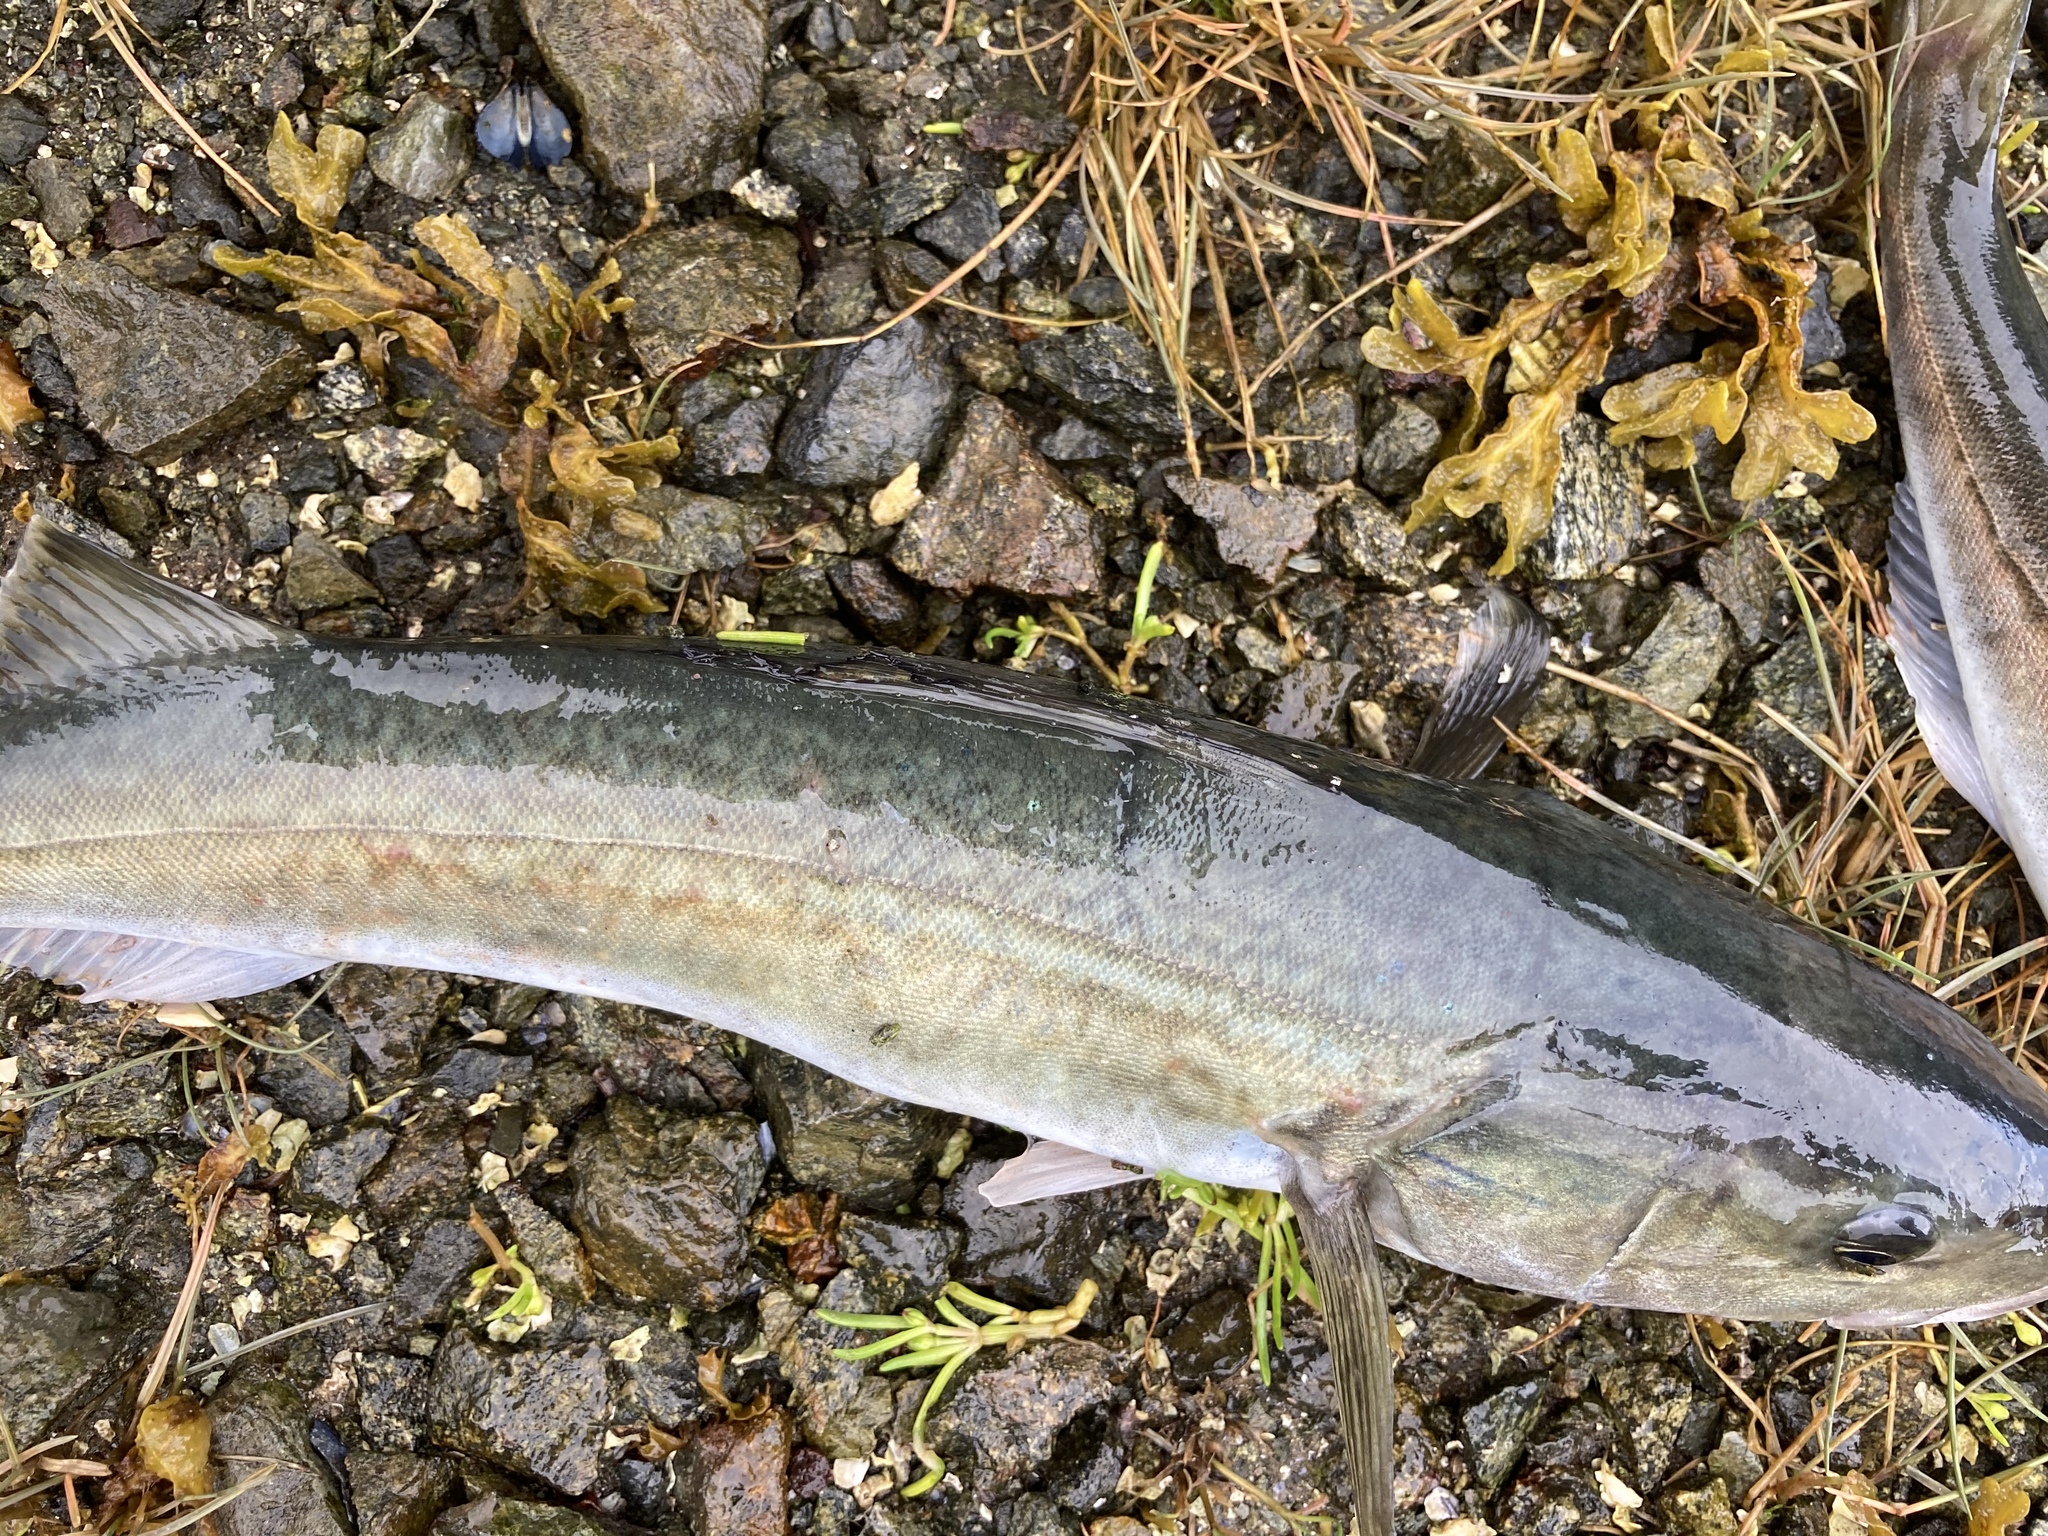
x=1927 y=659
x=139 y=970
x=1047 y=1168
x=1345 y=1260
x=1501 y=653
x=70 y=611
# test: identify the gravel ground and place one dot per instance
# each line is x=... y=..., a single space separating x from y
x=667 y=1185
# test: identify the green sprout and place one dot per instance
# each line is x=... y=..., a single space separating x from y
x=528 y=1305
x=1027 y=632
x=1144 y=628
x=1268 y=1220
x=949 y=1345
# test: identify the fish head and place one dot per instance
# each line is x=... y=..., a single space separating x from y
x=1855 y=1152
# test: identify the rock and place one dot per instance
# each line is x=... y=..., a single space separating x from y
x=387 y=1013
x=1399 y=448
x=660 y=1383
x=1497 y=1428
x=22 y=128
x=906 y=271
x=1016 y=114
x=1257 y=525
x=266 y=521
x=551 y=1249
x=318 y=578
x=1109 y=374
x=699 y=532
x=65 y=201
x=841 y=1407
x=1407 y=650
x=1707 y=1511
x=1212 y=1341
x=131 y=513
x=891 y=614
x=841 y=296
x=392 y=456
x=1324 y=411
x=391 y=1399
x=998 y=1423
x=1031 y=1255
x=916 y=194
x=1597 y=513
x=308 y=1072
x=900 y=1262
x=1790 y=682
x=73 y=1215
x=798 y=590
x=501 y=1515
x=661 y=1202
x=1074 y=439
x=398 y=567
x=158 y=371
x=1366 y=536
x=963 y=227
x=741 y=442
x=649 y=1054
x=64 y=1348
x=732 y=277
x=1466 y=175
x=991 y=366
x=1819 y=330
x=332 y=1174
x=819 y=156
x=424 y=153
x=1309 y=702
x=444 y=1254
x=425 y=1173
x=471 y=1071
x=832 y=1134
x=999 y=515
x=1745 y=578
x=1651 y=1400
x=671 y=83
x=732 y=1479
x=397 y=1493
x=1675 y=664
x=259 y=1417
x=538 y=1412
x=868 y=410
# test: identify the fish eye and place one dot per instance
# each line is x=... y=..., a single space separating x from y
x=1883 y=1237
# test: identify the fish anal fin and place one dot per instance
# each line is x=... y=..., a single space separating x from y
x=139 y=970
x=1501 y=654
x=1047 y=1168
x=1345 y=1260
x=69 y=610
x=1927 y=659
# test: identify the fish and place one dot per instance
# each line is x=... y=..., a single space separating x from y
x=1968 y=559
x=1458 y=1019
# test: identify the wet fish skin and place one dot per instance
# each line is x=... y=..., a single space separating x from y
x=1549 y=1058
x=1969 y=354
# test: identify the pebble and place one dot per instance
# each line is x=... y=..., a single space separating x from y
x=318 y=579
x=397 y=1493
x=425 y=153
x=159 y=372
x=1212 y=1341
x=258 y=1418
x=1324 y=412
x=841 y=1406
x=1498 y=1427
x=1030 y=1255
x=536 y=1411
x=1257 y=524
x=675 y=84
x=964 y=226
x=392 y=456
x=1597 y=515
x=63 y=1349
x=1000 y=515
x=1674 y=665
x=690 y=287
x=331 y=1174
x=1109 y=374
x=732 y=1478
x=1399 y=446
x=999 y=1422
x=868 y=410
x=820 y=156
x=1367 y=538
x=22 y=128
x=831 y=1134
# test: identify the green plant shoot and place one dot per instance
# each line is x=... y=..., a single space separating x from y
x=1268 y=1220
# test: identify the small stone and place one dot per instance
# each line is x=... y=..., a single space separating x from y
x=819 y=156
x=1017 y=115
x=1818 y=328
x=1367 y=537
x=971 y=221
x=1745 y=578
x=898 y=204
x=671 y=84
x=444 y=1253
x=131 y=513
x=399 y=567
x=397 y=1493
x=64 y=1348
x=1400 y=446
x=830 y=1133
x=259 y=1418
x=387 y=1013
x=538 y=1412
x=347 y=388
x=889 y=613
x=906 y=271
x=1790 y=682
x=840 y=1407
x=159 y=372
x=1466 y=175
x=741 y=442
x=1497 y=1428
x=22 y=128
x=61 y=190
x=318 y=578
x=332 y=1174
x=992 y=366
x=1212 y=1341
x=647 y=1054
x=500 y=1515
x=425 y=152
x=1324 y=412
x=999 y=515
x=868 y=410
x=391 y=1399
x=266 y=521
x=74 y=1214
x=900 y=1262
x=551 y=1249
x=392 y=456
x=425 y=1173
x=1677 y=663
x=1652 y=1400
x=1257 y=525
x=699 y=532
x=724 y=277
x=841 y=297
x=661 y=1202
x=1310 y=702
x=1597 y=510
x=1109 y=374
x=798 y=589
x=732 y=1478
x=1030 y=1255
x=1074 y=439
x=760 y=193
x=1704 y=1511
x=998 y=1423
x=124 y=226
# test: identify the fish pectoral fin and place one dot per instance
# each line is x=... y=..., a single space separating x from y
x=139 y=970
x=1047 y=1168
x=69 y=610
x=1345 y=1262
x=1499 y=668
x=1927 y=659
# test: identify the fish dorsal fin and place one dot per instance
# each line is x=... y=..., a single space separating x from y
x=69 y=611
x=1927 y=659
x=139 y=970
x=1047 y=1168
x=1499 y=668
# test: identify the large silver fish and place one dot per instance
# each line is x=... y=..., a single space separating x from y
x=1969 y=351
x=1461 y=1020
